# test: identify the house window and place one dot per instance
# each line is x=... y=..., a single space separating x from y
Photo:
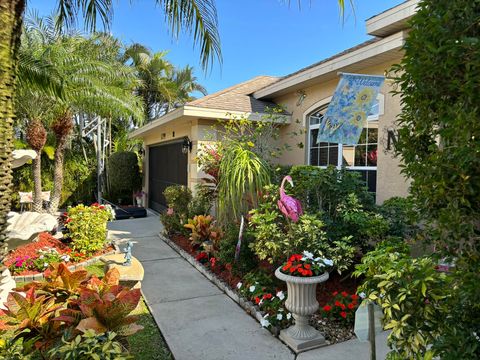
x=361 y=157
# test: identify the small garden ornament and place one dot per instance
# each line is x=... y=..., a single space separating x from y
x=288 y=205
x=128 y=254
x=302 y=273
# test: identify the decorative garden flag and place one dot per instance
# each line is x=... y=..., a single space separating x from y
x=348 y=111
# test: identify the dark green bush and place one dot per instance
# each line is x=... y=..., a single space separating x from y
x=400 y=215
x=202 y=202
x=323 y=189
x=247 y=260
x=123 y=176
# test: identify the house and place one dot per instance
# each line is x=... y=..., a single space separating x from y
x=171 y=140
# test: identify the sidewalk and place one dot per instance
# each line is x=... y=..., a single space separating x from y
x=197 y=320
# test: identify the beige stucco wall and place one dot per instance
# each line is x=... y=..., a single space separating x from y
x=389 y=180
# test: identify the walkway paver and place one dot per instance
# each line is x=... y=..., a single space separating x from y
x=198 y=320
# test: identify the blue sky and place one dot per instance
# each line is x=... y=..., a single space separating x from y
x=259 y=37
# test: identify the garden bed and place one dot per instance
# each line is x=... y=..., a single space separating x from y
x=25 y=257
x=221 y=275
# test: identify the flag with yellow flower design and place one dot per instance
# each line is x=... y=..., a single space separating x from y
x=347 y=113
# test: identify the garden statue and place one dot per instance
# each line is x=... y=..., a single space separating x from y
x=128 y=254
x=288 y=205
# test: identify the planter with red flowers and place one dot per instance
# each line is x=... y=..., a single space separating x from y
x=302 y=273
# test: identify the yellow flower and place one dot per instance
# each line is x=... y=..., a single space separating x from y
x=2 y=343
x=251 y=144
x=364 y=96
x=359 y=118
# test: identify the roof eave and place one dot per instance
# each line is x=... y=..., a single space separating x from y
x=380 y=50
x=392 y=20
x=204 y=113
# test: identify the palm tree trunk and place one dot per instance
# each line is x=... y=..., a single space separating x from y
x=58 y=175
x=11 y=14
x=37 y=182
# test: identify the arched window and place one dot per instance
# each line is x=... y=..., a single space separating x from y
x=361 y=157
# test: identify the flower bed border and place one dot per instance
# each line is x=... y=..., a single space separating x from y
x=39 y=276
x=245 y=304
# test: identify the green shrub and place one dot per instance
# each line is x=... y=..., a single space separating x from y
x=276 y=238
x=202 y=202
x=400 y=215
x=322 y=190
x=87 y=227
x=89 y=346
x=247 y=260
x=123 y=176
x=365 y=227
x=411 y=293
x=178 y=198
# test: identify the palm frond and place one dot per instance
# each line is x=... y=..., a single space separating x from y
x=92 y=11
x=198 y=17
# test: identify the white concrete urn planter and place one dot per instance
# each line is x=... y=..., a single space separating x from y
x=302 y=303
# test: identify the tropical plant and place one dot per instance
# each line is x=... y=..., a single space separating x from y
x=400 y=214
x=247 y=261
x=87 y=227
x=90 y=345
x=36 y=138
x=204 y=232
x=243 y=174
x=411 y=293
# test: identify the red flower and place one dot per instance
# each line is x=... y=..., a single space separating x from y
x=95 y=204
x=295 y=257
x=228 y=267
x=338 y=303
x=327 y=308
x=344 y=294
x=213 y=261
x=354 y=297
x=351 y=306
x=257 y=300
x=343 y=314
x=307 y=266
x=267 y=296
x=335 y=293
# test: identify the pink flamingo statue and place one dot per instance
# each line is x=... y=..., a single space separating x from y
x=288 y=205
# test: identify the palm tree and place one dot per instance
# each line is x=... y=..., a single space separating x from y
x=199 y=17
x=186 y=83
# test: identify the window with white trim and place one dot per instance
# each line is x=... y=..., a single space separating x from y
x=361 y=157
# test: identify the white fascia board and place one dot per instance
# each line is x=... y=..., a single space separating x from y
x=204 y=113
x=393 y=42
x=172 y=115
x=221 y=114
x=381 y=24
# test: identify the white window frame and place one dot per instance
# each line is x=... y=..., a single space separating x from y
x=381 y=111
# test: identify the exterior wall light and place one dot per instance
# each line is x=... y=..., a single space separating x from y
x=186 y=145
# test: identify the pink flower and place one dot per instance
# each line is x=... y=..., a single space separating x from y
x=170 y=211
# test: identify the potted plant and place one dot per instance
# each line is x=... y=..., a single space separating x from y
x=302 y=273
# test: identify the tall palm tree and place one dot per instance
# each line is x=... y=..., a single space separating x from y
x=186 y=83
x=199 y=17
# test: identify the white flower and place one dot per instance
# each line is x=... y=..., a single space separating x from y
x=239 y=285
x=260 y=303
x=45 y=264
x=308 y=255
x=65 y=258
x=362 y=295
x=279 y=316
x=289 y=316
x=41 y=257
x=265 y=323
x=281 y=295
x=328 y=262
x=251 y=288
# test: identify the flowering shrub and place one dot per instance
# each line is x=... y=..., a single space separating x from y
x=342 y=307
x=87 y=227
x=259 y=289
x=48 y=256
x=305 y=265
x=21 y=263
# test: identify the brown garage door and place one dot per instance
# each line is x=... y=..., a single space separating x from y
x=167 y=165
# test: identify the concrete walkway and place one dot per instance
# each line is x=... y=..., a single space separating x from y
x=199 y=321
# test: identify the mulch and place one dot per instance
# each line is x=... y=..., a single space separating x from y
x=44 y=240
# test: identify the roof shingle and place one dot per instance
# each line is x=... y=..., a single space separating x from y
x=238 y=97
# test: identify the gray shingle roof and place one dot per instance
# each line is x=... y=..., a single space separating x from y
x=238 y=97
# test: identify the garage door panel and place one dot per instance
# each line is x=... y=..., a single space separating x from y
x=167 y=166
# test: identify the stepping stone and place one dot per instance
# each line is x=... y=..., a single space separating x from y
x=129 y=275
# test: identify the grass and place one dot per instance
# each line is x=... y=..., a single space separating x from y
x=96 y=269
x=148 y=343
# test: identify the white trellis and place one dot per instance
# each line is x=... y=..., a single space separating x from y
x=96 y=128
